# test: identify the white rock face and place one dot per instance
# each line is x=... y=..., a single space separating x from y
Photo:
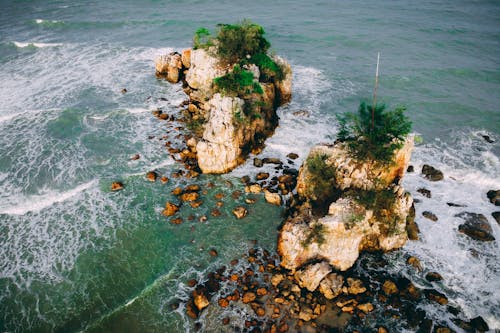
x=169 y=65
x=311 y=276
x=219 y=149
x=203 y=69
x=354 y=174
x=331 y=285
x=347 y=229
x=284 y=87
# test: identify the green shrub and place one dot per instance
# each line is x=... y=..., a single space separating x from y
x=374 y=136
x=322 y=176
x=239 y=82
x=316 y=234
x=202 y=39
x=269 y=69
x=236 y=41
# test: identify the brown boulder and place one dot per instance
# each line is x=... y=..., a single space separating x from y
x=116 y=186
x=240 y=212
x=170 y=209
x=476 y=226
x=432 y=173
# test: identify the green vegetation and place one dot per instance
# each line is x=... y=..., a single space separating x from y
x=239 y=82
x=374 y=134
x=195 y=125
x=269 y=69
x=316 y=234
x=322 y=176
x=202 y=39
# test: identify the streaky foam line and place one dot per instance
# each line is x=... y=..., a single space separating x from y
x=38 y=202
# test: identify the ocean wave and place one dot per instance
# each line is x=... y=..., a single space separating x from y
x=38 y=202
x=35 y=44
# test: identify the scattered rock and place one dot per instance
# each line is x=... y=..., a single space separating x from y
x=272 y=198
x=177 y=220
x=135 y=157
x=276 y=279
x=366 y=307
x=451 y=204
x=433 y=277
x=177 y=191
x=389 y=288
x=240 y=212
x=425 y=192
x=250 y=201
x=311 y=276
x=410 y=169
x=213 y=252
x=271 y=160
x=479 y=324
x=257 y=162
x=432 y=173
x=436 y=296
x=301 y=113
x=215 y=212
x=494 y=196
x=292 y=156
x=170 y=209
x=487 y=138
x=169 y=65
x=262 y=176
x=192 y=188
x=429 y=215
x=253 y=188
x=151 y=176
x=196 y=204
x=496 y=216
x=413 y=261
x=164 y=180
x=331 y=285
x=200 y=300
x=248 y=297
x=190 y=196
x=116 y=186
x=476 y=226
x=223 y=303
x=355 y=286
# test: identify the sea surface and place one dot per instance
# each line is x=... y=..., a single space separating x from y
x=76 y=257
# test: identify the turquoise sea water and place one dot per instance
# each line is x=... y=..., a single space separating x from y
x=75 y=257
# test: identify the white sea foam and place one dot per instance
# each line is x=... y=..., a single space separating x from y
x=36 y=203
x=35 y=44
x=41 y=21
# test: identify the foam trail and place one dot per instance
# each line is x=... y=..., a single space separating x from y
x=35 y=44
x=38 y=202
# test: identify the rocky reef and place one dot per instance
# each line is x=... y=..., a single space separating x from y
x=366 y=209
x=232 y=105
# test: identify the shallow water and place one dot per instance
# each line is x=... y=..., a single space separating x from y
x=76 y=257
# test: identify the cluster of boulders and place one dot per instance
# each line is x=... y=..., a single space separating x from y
x=226 y=128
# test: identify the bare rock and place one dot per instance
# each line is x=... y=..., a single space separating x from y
x=432 y=173
x=430 y=216
x=284 y=87
x=389 y=288
x=494 y=197
x=169 y=65
x=170 y=209
x=248 y=297
x=240 y=212
x=152 y=176
x=272 y=198
x=331 y=285
x=200 y=300
x=186 y=58
x=253 y=188
x=476 y=226
x=311 y=276
x=433 y=277
x=355 y=286
x=116 y=186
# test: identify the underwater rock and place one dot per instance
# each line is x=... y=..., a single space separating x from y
x=170 y=209
x=240 y=212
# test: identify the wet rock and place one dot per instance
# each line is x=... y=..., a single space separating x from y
x=196 y=204
x=331 y=285
x=429 y=215
x=494 y=197
x=189 y=196
x=257 y=162
x=432 y=173
x=301 y=113
x=135 y=157
x=164 y=180
x=215 y=212
x=452 y=204
x=276 y=279
x=248 y=297
x=191 y=310
x=116 y=186
x=236 y=195
x=262 y=176
x=389 y=288
x=250 y=201
x=441 y=329
x=191 y=283
x=413 y=261
x=436 y=296
x=425 y=192
x=225 y=321
x=496 y=216
x=272 y=198
x=479 y=324
x=219 y=203
x=253 y=188
x=311 y=276
x=213 y=252
x=271 y=160
x=412 y=229
x=366 y=307
x=476 y=226
x=382 y=329
x=200 y=300
x=355 y=286
x=240 y=212
x=410 y=169
x=292 y=156
x=306 y=314
x=151 y=176
x=124 y=91
x=487 y=138
x=245 y=179
x=433 y=277
x=223 y=303
x=177 y=220
x=170 y=209
x=177 y=191
x=192 y=188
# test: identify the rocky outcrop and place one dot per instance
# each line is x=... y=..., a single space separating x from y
x=367 y=208
x=476 y=226
x=227 y=126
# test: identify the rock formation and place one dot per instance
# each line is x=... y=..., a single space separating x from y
x=367 y=209
x=227 y=126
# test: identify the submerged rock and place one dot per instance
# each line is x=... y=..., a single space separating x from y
x=476 y=226
x=240 y=212
x=170 y=209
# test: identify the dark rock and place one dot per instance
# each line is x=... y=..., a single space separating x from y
x=436 y=296
x=124 y=90
x=413 y=261
x=215 y=212
x=262 y=176
x=291 y=172
x=496 y=216
x=191 y=283
x=429 y=215
x=479 y=324
x=245 y=179
x=213 y=252
x=411 y=168
x=451 y=204
x=292 y=156
x=433 y=276
x=135 y=157
x=463 y=324
x=177 y=220
x=488 y=139
x=425 y=326
x=425 y=192
x=476 y=226
x=411 y=226
x=116 y=186
x=442 y=329
x=271 y=160
x=257 y=162
x=494 y=196
x=432 y=173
